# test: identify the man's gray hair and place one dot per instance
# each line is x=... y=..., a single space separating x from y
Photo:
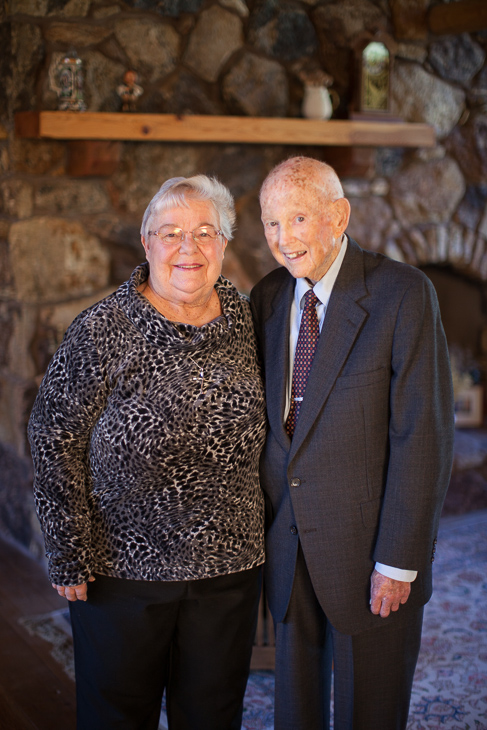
x=179 y=191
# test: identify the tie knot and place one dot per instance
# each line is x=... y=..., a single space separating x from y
x=310 y=299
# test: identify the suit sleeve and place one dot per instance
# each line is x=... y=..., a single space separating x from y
x=421 y=431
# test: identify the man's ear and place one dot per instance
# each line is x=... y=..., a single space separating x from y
x=342 y=216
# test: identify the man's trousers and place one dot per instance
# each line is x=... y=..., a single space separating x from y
x=372 y=671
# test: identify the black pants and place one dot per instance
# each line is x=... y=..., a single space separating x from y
x=133 y=639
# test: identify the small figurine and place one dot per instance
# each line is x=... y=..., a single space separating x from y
x=129 y=91
x=68 y=83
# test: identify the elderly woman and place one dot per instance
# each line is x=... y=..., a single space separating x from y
x=146 y=435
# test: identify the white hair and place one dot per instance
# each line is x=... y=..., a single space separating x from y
x=178 y=191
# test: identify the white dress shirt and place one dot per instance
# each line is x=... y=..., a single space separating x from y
x=323 y=289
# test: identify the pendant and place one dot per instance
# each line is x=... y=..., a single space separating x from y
x=201 y=378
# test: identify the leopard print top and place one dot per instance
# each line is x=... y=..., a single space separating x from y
x=143 y=469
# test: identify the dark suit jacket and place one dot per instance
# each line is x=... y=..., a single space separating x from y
x=365 y=475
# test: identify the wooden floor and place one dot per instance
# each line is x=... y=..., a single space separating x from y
x=35 y=693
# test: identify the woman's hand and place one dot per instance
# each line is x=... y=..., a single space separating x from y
x=74 y=593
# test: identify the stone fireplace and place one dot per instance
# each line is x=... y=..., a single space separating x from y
x=69 y=224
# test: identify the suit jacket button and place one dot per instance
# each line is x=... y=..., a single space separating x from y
x=295 y=482
x=294 y=530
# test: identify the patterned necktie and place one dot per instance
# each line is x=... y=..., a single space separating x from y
x=309 y=332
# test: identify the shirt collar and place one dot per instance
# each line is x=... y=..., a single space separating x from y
x=324 y=286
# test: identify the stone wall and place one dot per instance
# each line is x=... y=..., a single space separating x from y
x=67 y=239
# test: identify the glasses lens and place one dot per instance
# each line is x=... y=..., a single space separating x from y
x=205 y=234
x=170 y=235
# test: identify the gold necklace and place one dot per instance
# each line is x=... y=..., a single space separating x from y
x=156 y=301
x=201 y=373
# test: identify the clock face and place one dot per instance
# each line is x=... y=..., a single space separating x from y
x=375 y=78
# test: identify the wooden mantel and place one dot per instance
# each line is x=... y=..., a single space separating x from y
x=224 y=129
x=465 y=16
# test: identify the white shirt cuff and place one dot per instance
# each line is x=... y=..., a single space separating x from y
x=396 y=573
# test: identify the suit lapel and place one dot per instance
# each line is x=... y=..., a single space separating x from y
x=343 y=321
x=277 y=358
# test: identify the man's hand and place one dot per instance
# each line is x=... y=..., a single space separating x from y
x=386 y=594
x=73 y=593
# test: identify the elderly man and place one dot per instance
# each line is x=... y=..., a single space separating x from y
x=357 y=460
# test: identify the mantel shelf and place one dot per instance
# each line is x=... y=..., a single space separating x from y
x=224 y=129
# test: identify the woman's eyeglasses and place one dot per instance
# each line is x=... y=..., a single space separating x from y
x=170 y=235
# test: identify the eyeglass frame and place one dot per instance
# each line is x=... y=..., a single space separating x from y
x=176 y=228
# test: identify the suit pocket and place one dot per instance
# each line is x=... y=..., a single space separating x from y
x=358 y=380
x=370 y=512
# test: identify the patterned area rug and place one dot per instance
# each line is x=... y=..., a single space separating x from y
x=450 y=685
